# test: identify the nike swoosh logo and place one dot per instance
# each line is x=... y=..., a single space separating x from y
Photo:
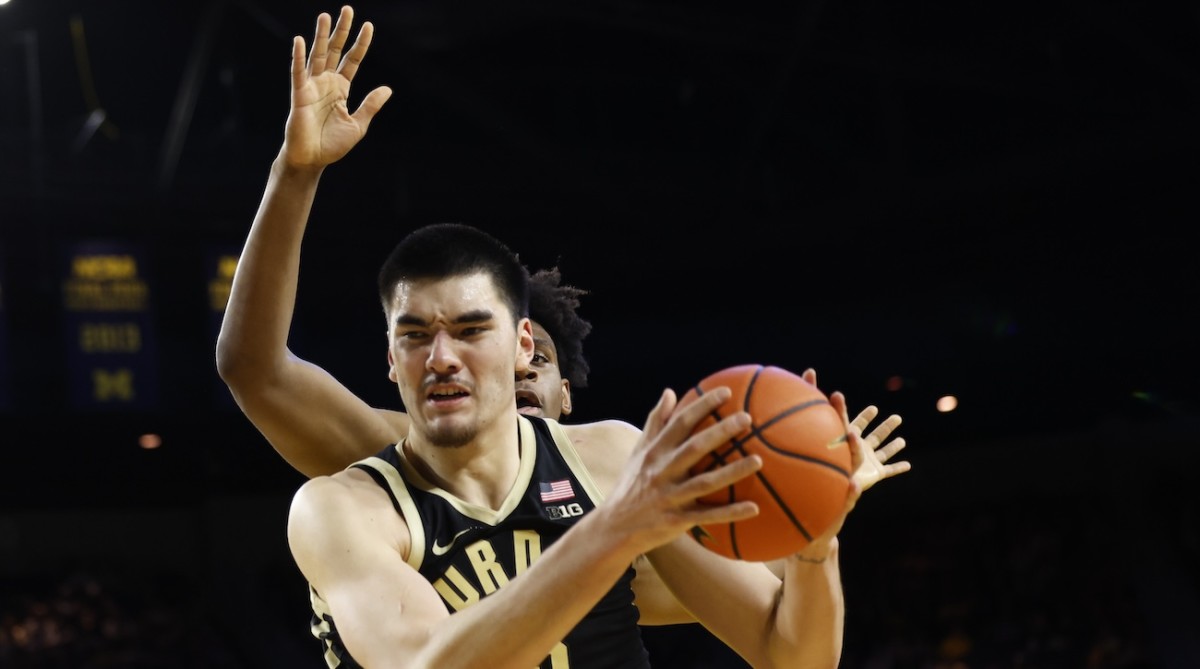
x=442 y=550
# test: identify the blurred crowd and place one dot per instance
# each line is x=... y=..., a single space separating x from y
x=1006 y=588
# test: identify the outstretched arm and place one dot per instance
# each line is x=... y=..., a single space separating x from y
x=311 y=419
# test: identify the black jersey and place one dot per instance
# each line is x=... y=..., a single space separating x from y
x=468 y=551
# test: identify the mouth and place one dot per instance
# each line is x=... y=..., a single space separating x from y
x=446 y=395
x=529 y=403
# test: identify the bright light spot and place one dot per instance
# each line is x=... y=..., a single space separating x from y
x=3 y=2
x=947 y=403
x=147 y=441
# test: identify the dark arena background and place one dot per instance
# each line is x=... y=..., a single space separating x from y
x=994 y=202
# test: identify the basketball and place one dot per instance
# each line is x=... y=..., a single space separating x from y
x=802 y=485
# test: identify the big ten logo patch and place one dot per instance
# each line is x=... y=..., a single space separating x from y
x=560 y=511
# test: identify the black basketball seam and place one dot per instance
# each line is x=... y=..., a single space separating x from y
x=750 y=389
x=782 y=505
x=757 y=430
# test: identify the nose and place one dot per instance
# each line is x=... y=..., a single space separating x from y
x=528 y=374
x=442 y=357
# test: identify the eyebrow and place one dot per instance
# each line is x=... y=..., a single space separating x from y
x=473 y=316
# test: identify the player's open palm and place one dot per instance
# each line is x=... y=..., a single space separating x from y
x=876 y=450
x=873 y=449
x=656 y=497
x=320 y=127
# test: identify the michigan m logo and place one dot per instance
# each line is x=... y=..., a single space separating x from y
x=112 y=386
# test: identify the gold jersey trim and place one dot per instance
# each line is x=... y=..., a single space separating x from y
x=571 y=456
x=408 y=508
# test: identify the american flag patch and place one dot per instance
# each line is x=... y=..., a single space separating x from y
x=556 y=490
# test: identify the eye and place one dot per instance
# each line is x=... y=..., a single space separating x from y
x=412 y=335
x=540 y=359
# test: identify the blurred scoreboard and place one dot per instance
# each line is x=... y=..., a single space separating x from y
x=109 y=327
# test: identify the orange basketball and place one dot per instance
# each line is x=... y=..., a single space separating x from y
x=802 y=485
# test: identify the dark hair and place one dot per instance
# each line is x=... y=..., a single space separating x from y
x=553 y=306
x=442 y=250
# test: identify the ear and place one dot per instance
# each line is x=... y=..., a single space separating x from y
x=524 y=346
x=566 y=397
x=392 y=367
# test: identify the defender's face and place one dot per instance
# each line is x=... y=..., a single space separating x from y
x=454 y=352
x=541 y=389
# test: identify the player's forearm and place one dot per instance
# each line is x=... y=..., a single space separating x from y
x=736 y=601
x=258 y=315
x=810 y=618
x=793 y=622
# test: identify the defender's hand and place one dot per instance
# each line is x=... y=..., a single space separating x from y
x=320 y=128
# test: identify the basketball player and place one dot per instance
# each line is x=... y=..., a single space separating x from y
x=472 y=542
x=280 y=203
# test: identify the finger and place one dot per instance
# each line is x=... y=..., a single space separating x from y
x=703 y=514
x=341 y=33
x=687 y=417
x=722 y=477
x=857 y=450
x=298 y=75
x=864 y=417
x=706 y=441
x=658 y=416
x=320 y=46
x=883 y=430
x=371 y=106
x=354 y=57
x=891 y=448
x=809 y=375
x=683 y=420
x=838 y=401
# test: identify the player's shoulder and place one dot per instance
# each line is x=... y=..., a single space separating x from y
x=331 y=515
x=605 y=433
x=324 y=499
x=604 y=446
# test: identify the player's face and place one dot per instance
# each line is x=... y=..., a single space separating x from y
x=541 y=389
x=454 y=353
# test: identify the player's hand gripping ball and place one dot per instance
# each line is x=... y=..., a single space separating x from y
x=802 y=486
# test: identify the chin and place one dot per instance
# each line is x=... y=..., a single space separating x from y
x=451 y=434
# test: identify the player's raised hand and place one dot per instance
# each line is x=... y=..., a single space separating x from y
x=320 y=127
x=875 y=451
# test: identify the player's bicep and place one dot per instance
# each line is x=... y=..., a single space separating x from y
x=348 y=551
